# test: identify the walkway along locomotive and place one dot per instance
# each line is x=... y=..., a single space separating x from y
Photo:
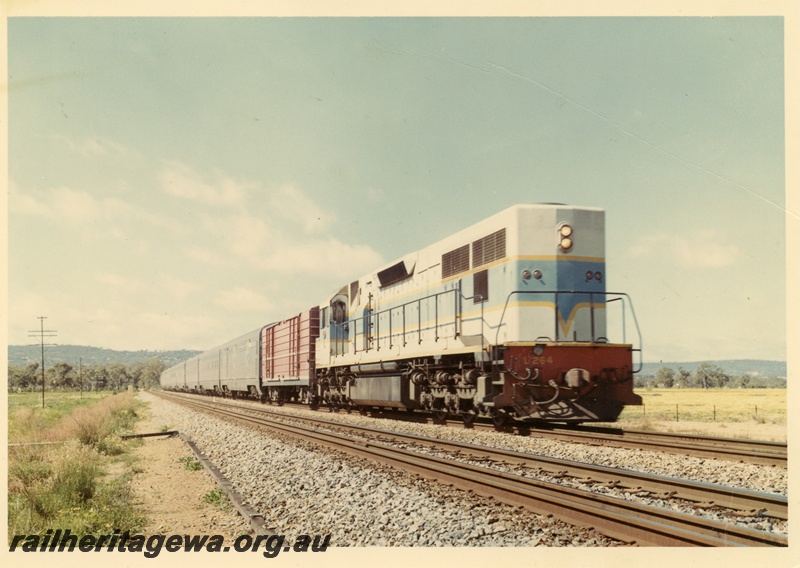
x=506 y=318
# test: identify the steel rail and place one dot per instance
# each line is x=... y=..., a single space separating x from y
x=742 y=501
x=759 y=452
x=747 y=451
x=617 y=518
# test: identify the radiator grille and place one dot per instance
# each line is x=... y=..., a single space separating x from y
x=489 y=248
x=455 y=261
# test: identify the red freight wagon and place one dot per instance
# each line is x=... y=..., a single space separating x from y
x=287 y=350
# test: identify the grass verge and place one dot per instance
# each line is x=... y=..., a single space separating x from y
x=81 y=483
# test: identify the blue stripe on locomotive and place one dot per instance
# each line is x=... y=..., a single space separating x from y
x=561 y=274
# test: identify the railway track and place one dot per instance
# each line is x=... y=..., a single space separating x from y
x=747 y=451
x=465 y=466
x=760 y=452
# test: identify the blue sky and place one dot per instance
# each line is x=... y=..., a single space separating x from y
x=176 y=182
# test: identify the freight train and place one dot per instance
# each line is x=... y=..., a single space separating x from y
x=505 y=319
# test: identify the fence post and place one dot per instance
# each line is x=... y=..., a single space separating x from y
x=715 y=413
x=677 y=418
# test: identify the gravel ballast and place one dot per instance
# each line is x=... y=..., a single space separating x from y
x=304 y=490
x=360 y=503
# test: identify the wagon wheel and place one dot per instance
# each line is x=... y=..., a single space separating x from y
x=440 y=417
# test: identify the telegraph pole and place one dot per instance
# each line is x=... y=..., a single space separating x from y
x=42 y=333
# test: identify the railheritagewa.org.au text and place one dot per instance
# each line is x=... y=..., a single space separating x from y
x=269 y=546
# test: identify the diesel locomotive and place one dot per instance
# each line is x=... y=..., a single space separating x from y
x=508 y=318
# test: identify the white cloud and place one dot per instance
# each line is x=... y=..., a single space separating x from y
x=328 y=258
x=293 y=205
x=205 y=256
x=94 y=147
x=272 y=248
x=93 y=215
x=61 y=203
x=242 y=300
x=179 y=289
x=170 y=331
x=703 y=249
x=75 y=320
x=241 y=234
x=118 y=283
x=182 y=181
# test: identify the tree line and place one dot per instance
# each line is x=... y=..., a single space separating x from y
x=146 y=375
x=706 y=376
x=63 y=376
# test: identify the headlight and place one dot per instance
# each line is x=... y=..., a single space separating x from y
x=565 y=234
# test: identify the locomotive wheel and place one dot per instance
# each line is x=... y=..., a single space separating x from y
x=440 y=417
x=469 y=419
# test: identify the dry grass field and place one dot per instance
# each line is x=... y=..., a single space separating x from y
x=735 y=413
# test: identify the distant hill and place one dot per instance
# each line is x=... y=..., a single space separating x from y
x=731 y=367
x=22 y=355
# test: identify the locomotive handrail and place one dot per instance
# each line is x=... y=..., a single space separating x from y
x=368 y=319
x=621 y=298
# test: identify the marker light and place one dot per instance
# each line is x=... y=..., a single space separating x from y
x=565 y=230
x=565 y=244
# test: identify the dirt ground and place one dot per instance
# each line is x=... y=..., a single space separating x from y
x=171 y=496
